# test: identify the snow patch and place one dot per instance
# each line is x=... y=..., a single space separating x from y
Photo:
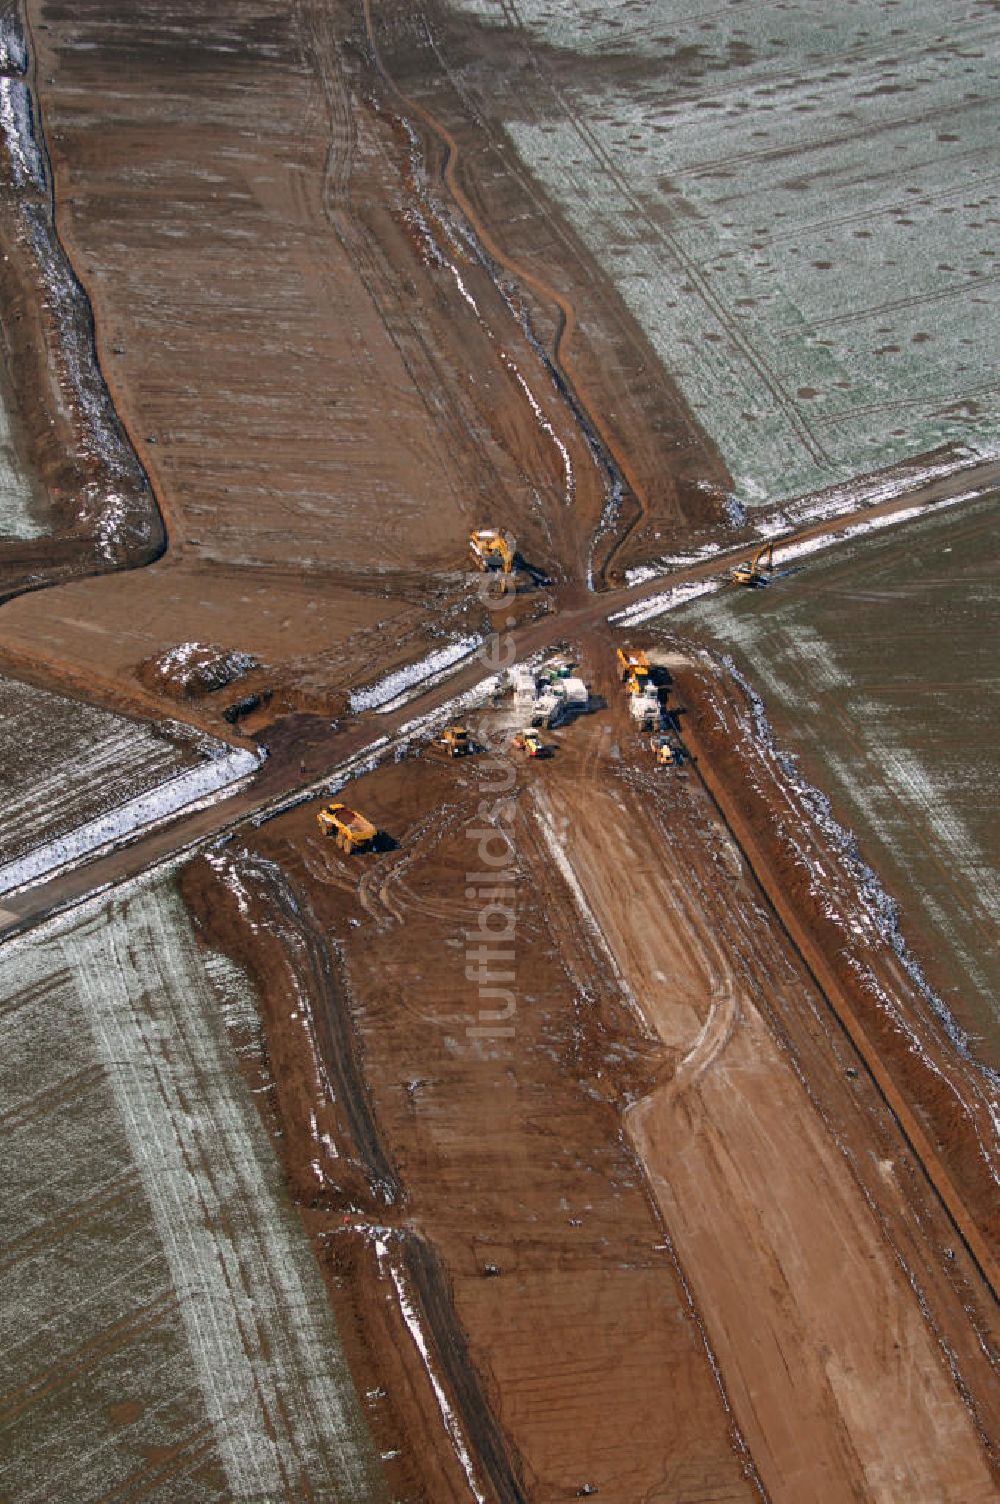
x=879 y=489
x=187 y=792
x=450 y=711
x=19 y=134
x=13 y=52
x=392 y=691
x=669 y=600
x=415 y=1330
x=640 y=573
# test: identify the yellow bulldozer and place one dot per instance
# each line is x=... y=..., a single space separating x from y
x=664 y=752
x=753 y=571
x=455 y=741
x=492 y=549
x=353 y=831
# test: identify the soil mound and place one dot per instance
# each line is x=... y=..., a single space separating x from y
x=192 y=670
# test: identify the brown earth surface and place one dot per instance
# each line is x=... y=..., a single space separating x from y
x=661 y=1228
x=671 y=1152
x=272 y=286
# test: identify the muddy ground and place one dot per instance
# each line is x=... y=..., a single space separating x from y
x=269 y=288
x=663 y=1155
x=652 y=1225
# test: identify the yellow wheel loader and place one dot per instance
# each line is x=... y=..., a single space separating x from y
x=492 y=549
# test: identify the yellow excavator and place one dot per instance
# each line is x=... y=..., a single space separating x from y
x=492 y=549
x=753 y=571
x=664 y=752
x=353 y=831
x=633 y=668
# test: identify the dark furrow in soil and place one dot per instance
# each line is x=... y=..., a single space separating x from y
x=322 y=983
x=491 y=1448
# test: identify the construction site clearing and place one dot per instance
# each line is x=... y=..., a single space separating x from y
x=502 y=1078
x=587 y=1163
x=673 y=1057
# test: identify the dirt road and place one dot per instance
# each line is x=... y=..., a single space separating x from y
x=779 y=1241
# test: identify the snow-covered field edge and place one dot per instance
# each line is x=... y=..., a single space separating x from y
x=393 y=691
x=853 y=896
x=784 y=553
x=838 y=501
x=190 y=791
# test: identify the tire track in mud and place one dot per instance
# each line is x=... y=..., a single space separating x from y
x=322 y=983
x=688 y=265
x=449 y=415
x=610 y=462
x=894 y=305
x=70 y=1217
x=709 y=1044
x=428 y=1279
x=78 y=1361
x=184 y=1456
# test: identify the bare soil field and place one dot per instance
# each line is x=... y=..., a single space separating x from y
x=271 y=287
x=306 y=1202
x=684 y=1237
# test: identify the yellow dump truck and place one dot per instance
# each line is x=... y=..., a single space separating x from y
x=353 y=831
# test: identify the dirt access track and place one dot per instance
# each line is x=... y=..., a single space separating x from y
x=659 y=1229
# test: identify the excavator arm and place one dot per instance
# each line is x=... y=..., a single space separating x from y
x=491 y=549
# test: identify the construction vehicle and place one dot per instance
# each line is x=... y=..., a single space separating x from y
x=529 y=742
x=492 y=549
x=753 y=572
x=664 y=752
x=633 y=666
x=644 y=697
x=645 y=707
x=549 y=695
x=455 y=741
x=353 y=831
